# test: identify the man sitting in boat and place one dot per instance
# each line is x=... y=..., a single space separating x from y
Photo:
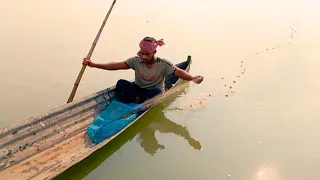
x=150 y=72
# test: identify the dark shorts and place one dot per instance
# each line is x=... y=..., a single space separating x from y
x=128 y=92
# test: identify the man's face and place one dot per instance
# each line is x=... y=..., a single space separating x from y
x=147 y=57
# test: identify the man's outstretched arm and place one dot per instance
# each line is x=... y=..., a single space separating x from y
x=106 y=66
x=186 y=76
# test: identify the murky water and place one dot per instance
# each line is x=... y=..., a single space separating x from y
x=255 y=116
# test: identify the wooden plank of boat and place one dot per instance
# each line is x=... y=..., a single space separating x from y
x=42 y=147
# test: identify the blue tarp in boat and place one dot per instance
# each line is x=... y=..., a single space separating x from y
x=108 y=123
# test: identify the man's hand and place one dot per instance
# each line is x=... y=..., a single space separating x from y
x=186 y=76
x=197 y=79
x=88 y=62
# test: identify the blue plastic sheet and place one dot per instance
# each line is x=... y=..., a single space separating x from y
x=108 y=122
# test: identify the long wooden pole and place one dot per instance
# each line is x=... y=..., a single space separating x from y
x=76 y=84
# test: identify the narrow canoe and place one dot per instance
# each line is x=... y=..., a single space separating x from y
x=43 y=147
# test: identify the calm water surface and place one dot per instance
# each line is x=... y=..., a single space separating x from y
x=255 y=116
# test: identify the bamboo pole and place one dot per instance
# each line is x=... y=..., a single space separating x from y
x=76 y=84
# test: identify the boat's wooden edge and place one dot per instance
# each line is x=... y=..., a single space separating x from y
x=62 y=108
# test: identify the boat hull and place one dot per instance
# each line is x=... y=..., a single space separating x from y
x=43 y=147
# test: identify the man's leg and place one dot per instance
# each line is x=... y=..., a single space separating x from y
x=130 y=92
x=154 y=92
x=126 y=91
x=145 y=94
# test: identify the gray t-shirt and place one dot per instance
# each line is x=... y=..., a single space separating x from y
x=150 y=78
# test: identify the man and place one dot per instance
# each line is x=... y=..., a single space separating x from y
x=150 y=73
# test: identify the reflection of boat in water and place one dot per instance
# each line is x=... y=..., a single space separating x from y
x=144 y=130
x=43 y=147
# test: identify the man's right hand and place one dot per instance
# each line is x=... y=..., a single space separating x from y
x=87 y=62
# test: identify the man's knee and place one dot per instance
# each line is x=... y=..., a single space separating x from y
x=154 y=92
x=122 y=84
x=158 y=90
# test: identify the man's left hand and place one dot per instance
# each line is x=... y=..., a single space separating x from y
x=197 y=79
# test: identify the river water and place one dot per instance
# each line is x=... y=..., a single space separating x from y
x=254 y=117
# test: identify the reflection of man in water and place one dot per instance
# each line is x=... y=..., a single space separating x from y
x=158 y=122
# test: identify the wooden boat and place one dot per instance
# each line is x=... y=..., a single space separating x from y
x=43 y=147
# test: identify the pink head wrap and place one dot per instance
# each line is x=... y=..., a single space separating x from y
x=149 y=47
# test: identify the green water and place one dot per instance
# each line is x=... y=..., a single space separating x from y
x=254 y=117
